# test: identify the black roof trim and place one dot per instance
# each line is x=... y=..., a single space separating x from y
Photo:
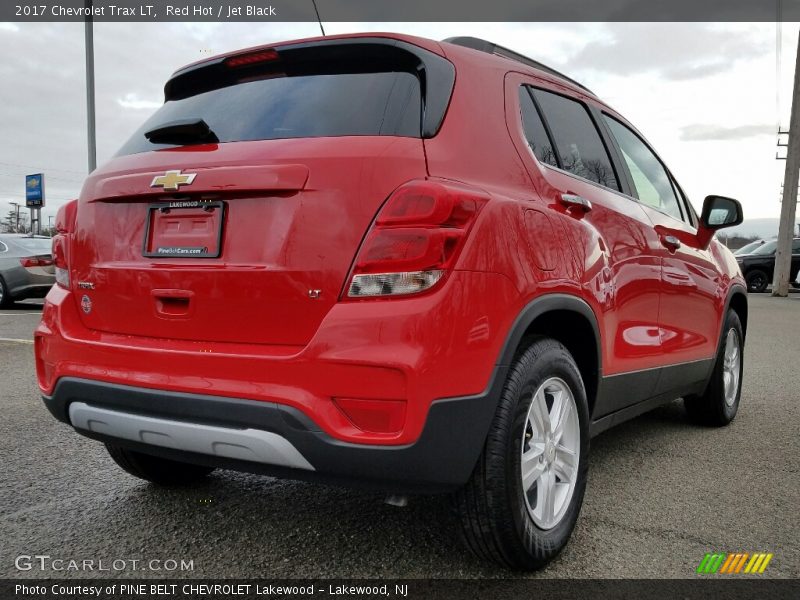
x=492 y=48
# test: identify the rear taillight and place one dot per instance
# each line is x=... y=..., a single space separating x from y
x=60 y=260
x=65 y=224
x=36 y=261
x=415 y=239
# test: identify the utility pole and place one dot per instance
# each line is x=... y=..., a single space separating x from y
x=783 y=253
x=90 y=119
x=16 y=205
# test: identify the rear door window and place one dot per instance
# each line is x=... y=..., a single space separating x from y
x=300 y=106
x=579 y=148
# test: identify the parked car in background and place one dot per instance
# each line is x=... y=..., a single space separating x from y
x=26 y=267
x=748 y=248
x=389 y=261
x=758 y=267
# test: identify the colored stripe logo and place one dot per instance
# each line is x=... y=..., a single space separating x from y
x=734 y=562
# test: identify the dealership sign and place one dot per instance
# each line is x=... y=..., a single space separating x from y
x=34 y=190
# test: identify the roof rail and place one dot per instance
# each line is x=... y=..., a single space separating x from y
x=492 y=48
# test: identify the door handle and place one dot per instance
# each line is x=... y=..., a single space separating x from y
x=670 y=242
x=575 y=201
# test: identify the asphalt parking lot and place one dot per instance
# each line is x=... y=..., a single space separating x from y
x=661 y=493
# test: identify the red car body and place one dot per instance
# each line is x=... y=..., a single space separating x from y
x=394 y=390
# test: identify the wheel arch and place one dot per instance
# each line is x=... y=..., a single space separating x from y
x=737 y=301
x=569 y=320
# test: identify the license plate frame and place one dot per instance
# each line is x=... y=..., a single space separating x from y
x=154 y=228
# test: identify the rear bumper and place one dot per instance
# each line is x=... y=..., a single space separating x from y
x=278 y=440
x=399 y=357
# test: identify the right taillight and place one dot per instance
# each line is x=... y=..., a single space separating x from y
x=415 y=239
x=60 y=260
x=65 y=223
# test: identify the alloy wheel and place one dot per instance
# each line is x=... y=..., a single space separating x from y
x=550 y=453
x=731 y=367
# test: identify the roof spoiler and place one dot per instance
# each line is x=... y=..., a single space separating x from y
x=436 y=74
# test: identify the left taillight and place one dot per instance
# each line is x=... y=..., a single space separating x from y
x=415 y=239
x=65 y=223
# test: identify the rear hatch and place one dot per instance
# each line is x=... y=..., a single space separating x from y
x=235 y=212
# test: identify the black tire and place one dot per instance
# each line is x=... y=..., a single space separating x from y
x=161 y=471
x=711 y=407
x=496 y=523
x=5 y=298
x=757 y=281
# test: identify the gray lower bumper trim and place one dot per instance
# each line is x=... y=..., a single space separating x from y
x=242 y=444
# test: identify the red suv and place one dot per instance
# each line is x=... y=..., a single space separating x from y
x=389 y=261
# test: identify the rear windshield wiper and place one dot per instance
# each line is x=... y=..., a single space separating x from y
x=182 y=132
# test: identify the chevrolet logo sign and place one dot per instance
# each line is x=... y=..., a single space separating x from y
x=172 y=180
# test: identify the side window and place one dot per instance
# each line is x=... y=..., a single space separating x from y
x=535 y=133
x=580 y=149
x=650 y=178
x=796 y=247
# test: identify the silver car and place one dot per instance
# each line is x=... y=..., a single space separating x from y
x=26 y=267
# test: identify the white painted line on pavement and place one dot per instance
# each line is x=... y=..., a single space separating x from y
x=15 y=340
x=19 y=314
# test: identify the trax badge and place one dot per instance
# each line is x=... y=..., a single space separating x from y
x=86 y=304
x=172 y=180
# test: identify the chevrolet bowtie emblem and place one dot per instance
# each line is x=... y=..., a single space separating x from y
x=172 y=180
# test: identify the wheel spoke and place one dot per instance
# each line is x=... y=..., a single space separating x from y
x=540 y=418
x=546 y=495
x=532 y=466
x=563 y=418
x=564 y=465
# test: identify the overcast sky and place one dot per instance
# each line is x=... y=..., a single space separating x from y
x=705 y=95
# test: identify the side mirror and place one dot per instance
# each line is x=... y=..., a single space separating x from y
x=719 y=212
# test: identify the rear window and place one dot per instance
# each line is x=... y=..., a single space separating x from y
x=315 y=105
x=766 y=249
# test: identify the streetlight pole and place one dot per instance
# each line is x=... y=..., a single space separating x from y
x=90 y=118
